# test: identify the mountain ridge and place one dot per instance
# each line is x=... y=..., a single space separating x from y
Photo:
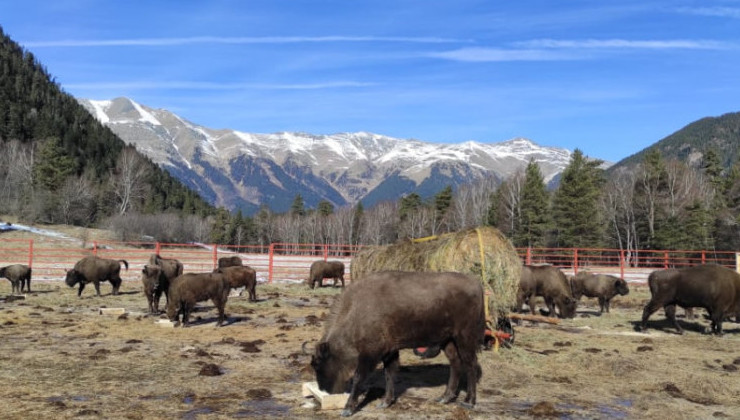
x=237 y=169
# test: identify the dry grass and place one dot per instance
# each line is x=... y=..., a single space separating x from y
x=61 y=359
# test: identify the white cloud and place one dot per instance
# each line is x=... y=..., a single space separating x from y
x=184 y=85
x=728 y=12
x=624 y=44
x=162 y=42
x=498 y=54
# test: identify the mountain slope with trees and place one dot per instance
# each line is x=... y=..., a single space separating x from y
x=58 y=164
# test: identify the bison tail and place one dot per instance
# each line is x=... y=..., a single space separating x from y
x=124 y=263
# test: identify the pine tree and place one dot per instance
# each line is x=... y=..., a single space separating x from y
x=409 y=204
x=357 y=218
x=443 y=201
x=298 y=207
x=535 y=217
x=52 y=166
x=575 y=205
x=325 y=208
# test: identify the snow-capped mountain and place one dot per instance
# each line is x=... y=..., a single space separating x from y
x=235 y=169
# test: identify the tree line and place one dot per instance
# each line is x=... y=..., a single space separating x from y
x=659 y=204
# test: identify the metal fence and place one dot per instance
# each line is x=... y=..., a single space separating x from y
x=285 y=262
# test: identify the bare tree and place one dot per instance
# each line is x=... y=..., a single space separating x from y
x=381 y=224
x=77 y=201
x=16 y=174
x=128 y=180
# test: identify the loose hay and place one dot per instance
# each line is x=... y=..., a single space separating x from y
x=484 y=252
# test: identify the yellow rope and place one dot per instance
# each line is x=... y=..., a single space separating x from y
x=425 y=239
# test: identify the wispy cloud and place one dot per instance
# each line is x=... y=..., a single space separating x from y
x=625 y=44
x=164 y=42
x=728 y=12
x=499 y=54
x=185 y=85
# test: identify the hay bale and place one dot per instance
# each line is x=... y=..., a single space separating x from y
x=484 y=252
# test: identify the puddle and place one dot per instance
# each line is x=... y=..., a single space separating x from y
x=262 y=408
x=189 y=399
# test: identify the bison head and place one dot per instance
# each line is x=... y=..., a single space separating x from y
x=332 y=372
x=621 y=287
x=73 y=277
x=173 y=310
x=567 y=307
x=150 y=274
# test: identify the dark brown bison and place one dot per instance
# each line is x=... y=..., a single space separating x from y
x=155 y=283
x=550 y=283
x=171 y=267
x=601 y=286
x=94 y=270
x=241 y=276
x=392 y=310
x=233 y=261
x=666 y=275
x=186 y=290
x=712 y=287
x=18 y=274
x=321 y=270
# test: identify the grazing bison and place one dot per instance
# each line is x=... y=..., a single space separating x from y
x=94 y=270
x=550 y=283
x=601 y=286
x=233 y=261
x=186 y=290
x=321 y=270
x=171 y=267
x=18 y=274
x=242 y=276
x=155 y=283
x=712 y=287
x=392 y=310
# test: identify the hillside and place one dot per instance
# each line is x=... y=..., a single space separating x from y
x=35 y=110
x=690 y=143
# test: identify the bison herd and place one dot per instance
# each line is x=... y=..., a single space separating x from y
x=391 y=310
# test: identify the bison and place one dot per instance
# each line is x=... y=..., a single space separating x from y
x=601 y=286
x=233 y=261
x=242 y=276
x=392 y=310
x=188 y=289
x=94 y=270
x=155 y=283
x=712 y=287
x=550 y=283
x=171 y=267
x=321 y=270
x=18 y=274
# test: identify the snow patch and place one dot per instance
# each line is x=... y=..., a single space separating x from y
x=146 y=116
x=100 y=108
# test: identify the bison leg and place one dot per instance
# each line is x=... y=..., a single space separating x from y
x=14 y=286
x=79 y=292
x=253 y=293
x=602 y=305
x=649 y=309
x=717 y=318
x=97 y=287
x=220 y=306
x=116 y=282
x=473 y=374
x=670 y=313
x=342 y=279
x=455 y=366
x=364 y=367
x=390 y=367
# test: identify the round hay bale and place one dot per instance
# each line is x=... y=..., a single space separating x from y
x=484 y=252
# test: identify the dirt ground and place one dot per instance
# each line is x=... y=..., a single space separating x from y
x=60 y=358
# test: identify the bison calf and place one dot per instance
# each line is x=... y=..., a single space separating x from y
x=321 y=270
x=712 y=287
x=233 y=261
x=186 y=290
x=241 y=276
x=601 y=286
x=155 y=283
x=17 y=274
x=171 y=267
x=550 y=283
x=94 y=270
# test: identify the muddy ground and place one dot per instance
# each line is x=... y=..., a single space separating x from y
x=60 y=358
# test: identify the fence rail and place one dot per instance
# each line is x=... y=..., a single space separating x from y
x=290 y=262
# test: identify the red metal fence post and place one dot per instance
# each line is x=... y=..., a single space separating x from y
x=95 y=248
x=30 y=252
x=704 y=257
x=157 y=248
x=665 y=260
x=529 y=256
x=621 y=263
x=326 y=252
x=215 y=256
x=270 y=263
x=575 y=261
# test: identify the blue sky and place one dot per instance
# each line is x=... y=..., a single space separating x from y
x=608 y=77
